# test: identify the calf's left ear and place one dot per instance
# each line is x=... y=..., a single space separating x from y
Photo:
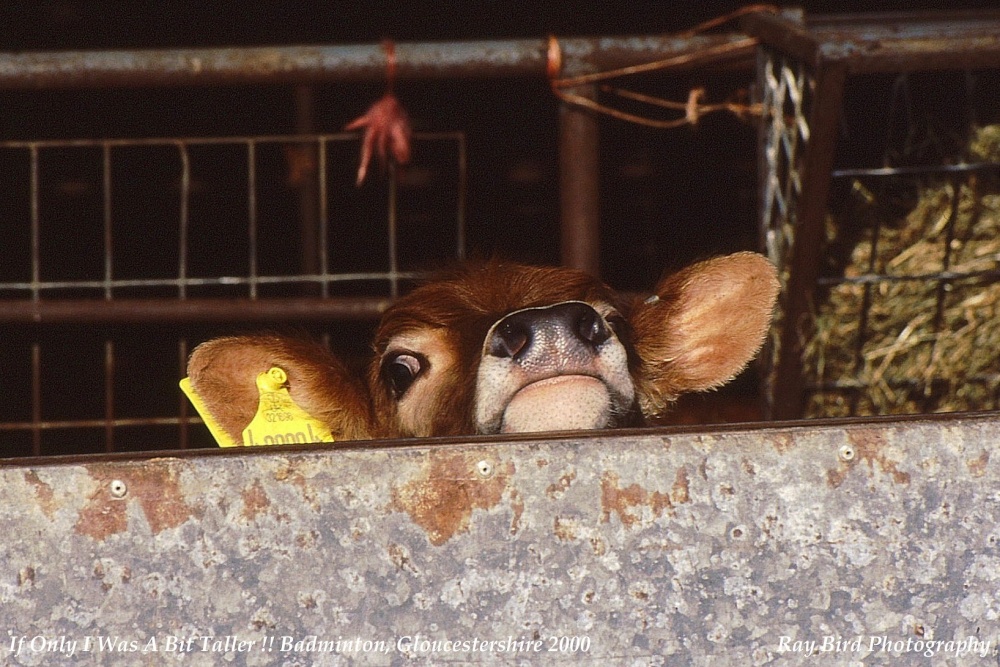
x=223 y=374
x=702 y=327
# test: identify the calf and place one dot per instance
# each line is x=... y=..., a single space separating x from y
x=496 y=347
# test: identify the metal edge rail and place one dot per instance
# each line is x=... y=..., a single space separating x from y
x=188 y=311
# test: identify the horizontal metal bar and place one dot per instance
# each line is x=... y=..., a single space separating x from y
x=188 y=311
x=886 y=42
x=363 y=62
x=963 y=168
x=987 y=275
x=849 y=384
x=222 y=281
x=913 y=55
x=744 y=545
x=896 y=24
x=210 y=141
x=56 y=425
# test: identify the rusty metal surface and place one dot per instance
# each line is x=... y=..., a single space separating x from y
x=885 y=42
x=308 y=63
x=822 y=543
x=580 y=185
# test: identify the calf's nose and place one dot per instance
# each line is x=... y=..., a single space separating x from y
x=572 y=324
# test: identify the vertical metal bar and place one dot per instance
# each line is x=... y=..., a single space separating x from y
x=859 y=343
x=763 y=94
x=941 y=291
x=943 y=286
x=867 y=297
x=183 y=432
x=108 y=231
x=309 y=217
x=807 y=251
x=36 y=275
x=324 y=219
x=36 y=399
x=183 y=221
x=36 y=232
x=109 y=346
x=182 y=271
x=252 y=214
x=579 y=185
x=109 y=396
x=462 y=186
x=393 y=251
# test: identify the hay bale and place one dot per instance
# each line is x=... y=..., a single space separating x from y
x=926 y=345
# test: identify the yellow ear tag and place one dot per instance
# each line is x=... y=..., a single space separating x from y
x=217 y=431
x=279 y=420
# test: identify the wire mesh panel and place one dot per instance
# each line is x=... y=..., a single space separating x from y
x=906 y=316
x=784 y=85
x=120 y=251
x=889 y=303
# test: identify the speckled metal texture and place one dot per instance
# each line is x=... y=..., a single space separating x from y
x=820 y=544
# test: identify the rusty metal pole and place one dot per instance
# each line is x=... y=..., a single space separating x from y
x=309 y=64
x=579 y=185
x=306 y=182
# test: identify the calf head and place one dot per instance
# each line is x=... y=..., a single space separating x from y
x=498 y=347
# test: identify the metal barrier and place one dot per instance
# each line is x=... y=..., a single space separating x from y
x=816 y=543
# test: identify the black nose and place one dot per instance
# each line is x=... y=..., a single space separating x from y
x=572 y=323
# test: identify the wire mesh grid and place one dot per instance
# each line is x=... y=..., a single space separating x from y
x=119 y=252
x=783 y=88
x=902 y=317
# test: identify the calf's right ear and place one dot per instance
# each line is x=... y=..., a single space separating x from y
x=702 y=327
x=223 y=373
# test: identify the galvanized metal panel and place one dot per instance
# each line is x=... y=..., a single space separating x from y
x=653 y=547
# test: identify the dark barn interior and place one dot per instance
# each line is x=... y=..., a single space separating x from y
x=485 y=170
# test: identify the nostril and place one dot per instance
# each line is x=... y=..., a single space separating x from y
x=590 y=327
x=509 y=339
x=565 y=326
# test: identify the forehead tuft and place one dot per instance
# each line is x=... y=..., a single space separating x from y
x=476 y=294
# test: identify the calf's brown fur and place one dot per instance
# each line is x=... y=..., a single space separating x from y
x=501 y=347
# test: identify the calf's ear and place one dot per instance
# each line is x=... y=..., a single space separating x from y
x=702 y=327
x=223 y=372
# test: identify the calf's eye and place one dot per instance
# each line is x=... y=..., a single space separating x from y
x=617 y=323
x=400 y=371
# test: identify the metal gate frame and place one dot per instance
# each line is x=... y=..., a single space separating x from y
x=817 y=57
x=578 y=133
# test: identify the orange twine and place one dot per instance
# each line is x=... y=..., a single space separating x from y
x=389 y=47
x=693 y=108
